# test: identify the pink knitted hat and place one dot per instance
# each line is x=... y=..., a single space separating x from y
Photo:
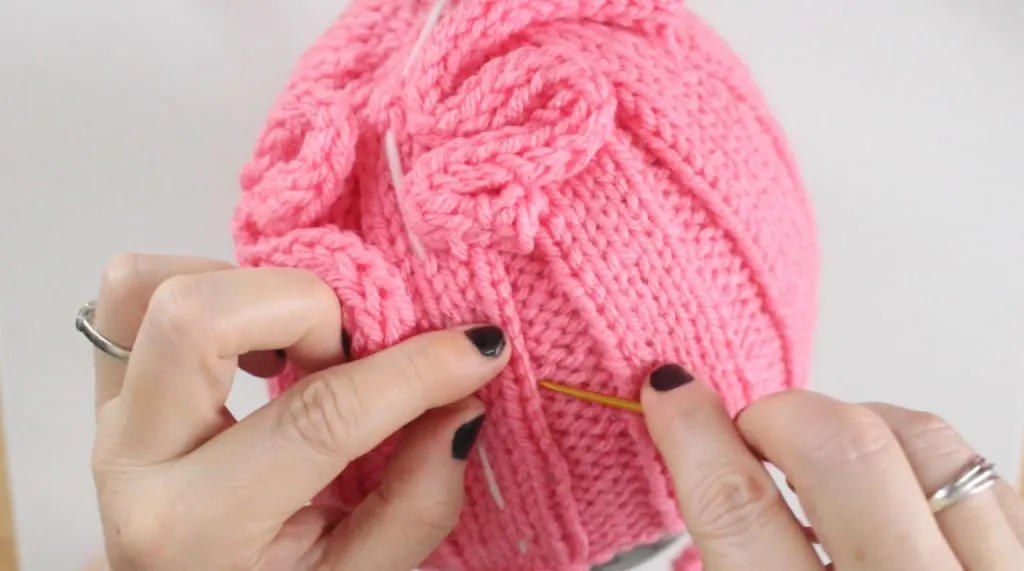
x=602 y=179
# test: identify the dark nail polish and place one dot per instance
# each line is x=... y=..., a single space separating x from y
x=465 y=437
x=489 y=340
x=280 y=354
x=668 y=377
x=346 y=345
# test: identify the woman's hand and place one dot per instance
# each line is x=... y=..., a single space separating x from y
x=863 y=474
x=183 y=485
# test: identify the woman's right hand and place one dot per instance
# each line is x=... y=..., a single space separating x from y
x=862 y=472
x=183 y=485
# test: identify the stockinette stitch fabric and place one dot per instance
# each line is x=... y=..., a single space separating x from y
x=602 y=179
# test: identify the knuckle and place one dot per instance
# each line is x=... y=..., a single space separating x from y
x=926 y=426
x=325 y=413
x=929 y=435
x=418 y=363
x=104 y=449
x=122 y=276
x=854 y=435
x=436 y=516
x=140 y=537
x=99 y=463
x=180 y=305
x=732 y=501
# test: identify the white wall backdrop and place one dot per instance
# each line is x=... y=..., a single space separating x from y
x=123 y=125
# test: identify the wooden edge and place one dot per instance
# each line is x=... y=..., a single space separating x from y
x=8 y=546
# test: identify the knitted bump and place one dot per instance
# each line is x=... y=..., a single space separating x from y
x=602 y=179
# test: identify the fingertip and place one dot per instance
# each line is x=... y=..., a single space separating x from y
x=669 y=377
x=791 y=403
x=440 y=428
x=489 y=340
x=669 y=385
x=465 y=437
x=453 y=363
x=676 y=404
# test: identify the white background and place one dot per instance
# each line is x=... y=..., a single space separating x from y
x=123 y=125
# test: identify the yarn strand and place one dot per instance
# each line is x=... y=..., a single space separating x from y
x=391 y=151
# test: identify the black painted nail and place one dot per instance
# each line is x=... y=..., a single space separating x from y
x=668 y=377
x=465 y=437
x=280 y=354
x=489 y=340
x=346 y=345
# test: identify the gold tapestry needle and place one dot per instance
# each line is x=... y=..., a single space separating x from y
x=581 y=394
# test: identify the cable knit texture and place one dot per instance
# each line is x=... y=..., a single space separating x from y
x=602 y=179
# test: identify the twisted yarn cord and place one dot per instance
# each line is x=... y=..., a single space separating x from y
x=601 y=178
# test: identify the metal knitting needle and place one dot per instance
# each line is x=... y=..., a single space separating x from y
x=598 y=398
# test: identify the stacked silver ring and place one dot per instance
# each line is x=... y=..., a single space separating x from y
x=980 y=475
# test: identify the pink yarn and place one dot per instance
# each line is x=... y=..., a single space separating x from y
x=689 y=560
x=602 y=179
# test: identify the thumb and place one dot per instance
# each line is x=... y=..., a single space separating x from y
x=307 y=436
x=731 y=507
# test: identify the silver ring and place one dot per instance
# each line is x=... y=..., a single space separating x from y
x=979 y=476
x=84 y=324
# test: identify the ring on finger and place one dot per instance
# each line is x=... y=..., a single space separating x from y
x=977 y=477
x=83 y=322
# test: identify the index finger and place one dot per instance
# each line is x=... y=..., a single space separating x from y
x=299 y=443
x=128 y=282
x=195 y=328
x=854 y=482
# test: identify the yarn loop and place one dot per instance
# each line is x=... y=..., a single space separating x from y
x=529 y=119
x=305 y=154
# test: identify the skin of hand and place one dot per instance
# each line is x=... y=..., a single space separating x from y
x=182 y=484
x=862 y=473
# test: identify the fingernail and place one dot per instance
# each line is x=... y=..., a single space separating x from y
x=489 y=340
x=668 y=377
x=465 y=437
x=280 y=354
x=346 y=344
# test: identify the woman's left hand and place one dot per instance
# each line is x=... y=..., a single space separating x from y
x=863 y=473
x=182 y=484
